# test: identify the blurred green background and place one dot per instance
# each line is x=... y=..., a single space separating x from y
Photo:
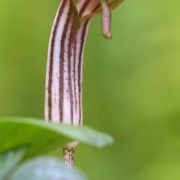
x=131 y=84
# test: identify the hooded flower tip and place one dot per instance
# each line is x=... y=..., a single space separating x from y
x=106 y=19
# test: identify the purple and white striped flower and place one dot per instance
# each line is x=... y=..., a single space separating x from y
x=63 y=99
x=63 y=102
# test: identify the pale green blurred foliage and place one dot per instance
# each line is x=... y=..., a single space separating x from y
x=131 y=83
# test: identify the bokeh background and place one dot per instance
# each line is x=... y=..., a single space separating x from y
x=131 y=83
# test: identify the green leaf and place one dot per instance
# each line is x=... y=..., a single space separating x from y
x=8 y=160
x=46 y=168
x=42 y=137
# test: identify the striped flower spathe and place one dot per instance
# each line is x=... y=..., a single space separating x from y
x=63 y=99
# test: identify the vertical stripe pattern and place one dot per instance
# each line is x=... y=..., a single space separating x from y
x=63 y=99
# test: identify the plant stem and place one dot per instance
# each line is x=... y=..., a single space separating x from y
x=68 y=153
